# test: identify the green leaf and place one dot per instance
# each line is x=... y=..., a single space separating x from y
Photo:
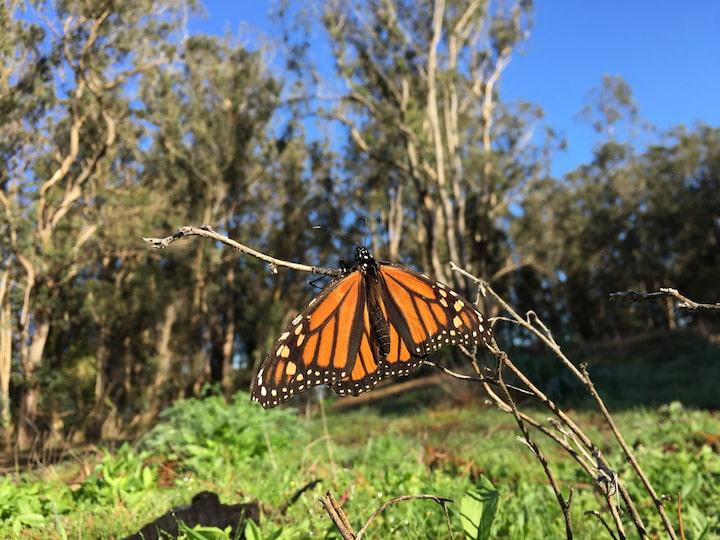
x=478 y=509
x=31 y=518
x=148 y=479
x=200 y=532
x=252 y=531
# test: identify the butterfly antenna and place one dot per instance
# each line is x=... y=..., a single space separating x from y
x=334 y=234
x=367 y=229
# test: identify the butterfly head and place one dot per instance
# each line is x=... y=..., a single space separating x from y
x=365 y=261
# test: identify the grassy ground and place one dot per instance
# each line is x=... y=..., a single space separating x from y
x=364 y=457
x=368 y=456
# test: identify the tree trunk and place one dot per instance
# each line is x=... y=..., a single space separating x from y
x=27 y=429
x=5 y=357
x=670 y=314
x=216 y=350
x=94 y=421
x=227 y=355
x=164 y=356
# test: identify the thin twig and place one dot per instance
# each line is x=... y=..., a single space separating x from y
x=442 y=501
x=579 y=455
x=474 y=379
x=628 y=453
x=602 y=520
x=679 y=515
x=683 y=302
x=207 y=232
x=564 y=504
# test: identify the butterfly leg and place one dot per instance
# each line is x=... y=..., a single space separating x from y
x=313 y=282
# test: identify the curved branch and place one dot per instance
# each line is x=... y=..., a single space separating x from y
x=442 y=501
x=207 y=232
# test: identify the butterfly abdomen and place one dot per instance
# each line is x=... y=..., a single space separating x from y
x=378 y=316
x=380 y=329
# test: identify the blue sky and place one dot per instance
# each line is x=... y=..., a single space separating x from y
x=668 y=51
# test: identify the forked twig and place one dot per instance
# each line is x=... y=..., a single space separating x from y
x=579 y=454
x=338 y=516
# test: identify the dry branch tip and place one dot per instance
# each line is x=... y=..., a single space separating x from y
x=683 y=302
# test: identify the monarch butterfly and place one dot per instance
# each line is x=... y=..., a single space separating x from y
x=376 y=320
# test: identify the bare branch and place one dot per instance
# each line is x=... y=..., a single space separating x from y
x=683 y=302
x=628 y=452
x=207 y=232
x=681 y=526
x=338 y=516
x=587 y=382
x=342 y=523
x=579 y=454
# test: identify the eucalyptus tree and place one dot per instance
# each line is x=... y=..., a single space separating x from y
x=436 y=155
x=67 y=127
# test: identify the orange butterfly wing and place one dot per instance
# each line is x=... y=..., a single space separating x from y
x=320 y=345
x=367 y=367
x=424 y=316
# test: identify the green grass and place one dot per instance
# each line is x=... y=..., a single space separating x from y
x=366 y=457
